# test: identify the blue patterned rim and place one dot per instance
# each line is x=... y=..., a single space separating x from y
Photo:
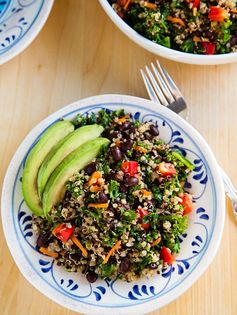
x=20 y=21
x=134 y=294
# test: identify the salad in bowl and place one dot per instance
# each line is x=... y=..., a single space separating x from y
x=113 y=202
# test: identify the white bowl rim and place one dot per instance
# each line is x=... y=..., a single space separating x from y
x=38 y=283
x=31 y=33
x=163 y=51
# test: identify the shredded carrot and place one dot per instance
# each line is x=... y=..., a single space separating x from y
x=149 y=5
x=94 y=177
x=233 y=11
x=196 y=39
x=110 y=253
x=140 y=149
x=145 y=192
x=48 y=252
x=122 y=119
x=79 y=245
x=127 y=4
x=175 y=20
x=156 y=242
x=98 y=205
x=95 y=188
x=118 y=143
x=96 y=174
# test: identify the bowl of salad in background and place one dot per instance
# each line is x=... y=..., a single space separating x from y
x=20 y=22
x=189 y=31
x=128 y=186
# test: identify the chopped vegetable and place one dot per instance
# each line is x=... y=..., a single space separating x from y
x=63 y=231
x=182 y=159
x=48 y=252
x=166 y=256
x=166 y=169
x=143 y=214
x=217 y=14
x=186 y=202
x=156 y=242
x=140 y=149
x=79 y=245
x=98 y=205
x=209 y=48
x=175 y=20
x=130 y=167
x=110 y=253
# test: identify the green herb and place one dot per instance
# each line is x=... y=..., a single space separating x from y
x=114 y=189
x=107 y=270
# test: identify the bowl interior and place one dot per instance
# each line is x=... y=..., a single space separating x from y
x=20 y=21
x=198 y=245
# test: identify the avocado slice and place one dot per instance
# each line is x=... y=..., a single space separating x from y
x=62 y=149
x=35 y=158
x=56 y=186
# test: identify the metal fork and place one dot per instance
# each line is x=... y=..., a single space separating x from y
x=162 y=89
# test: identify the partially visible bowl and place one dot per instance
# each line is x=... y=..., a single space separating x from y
x=20 y=22
x=198 y=246
x=164 y=51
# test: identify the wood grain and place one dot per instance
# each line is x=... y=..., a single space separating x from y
x=80 y=53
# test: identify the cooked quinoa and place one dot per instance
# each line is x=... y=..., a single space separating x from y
x=192 y=26
x=126 y=208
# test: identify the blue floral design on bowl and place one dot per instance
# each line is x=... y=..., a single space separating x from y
x=20 y=21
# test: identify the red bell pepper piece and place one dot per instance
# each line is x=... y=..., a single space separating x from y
x=217 y=14
x=142 y=214
x=166 y=169
x=209 y=48
x=186 y=202
x=166 y=256
x=63 y=231
x=130 y=167
x=196 y=3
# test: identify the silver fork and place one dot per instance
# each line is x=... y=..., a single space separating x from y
x=162 y=89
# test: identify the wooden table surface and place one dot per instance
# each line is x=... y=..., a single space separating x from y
x=81 y=53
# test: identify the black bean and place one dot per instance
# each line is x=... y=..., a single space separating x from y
x=147 y=135
x=43 y=239
x=123 y=188
x=102 y=198
x=154 y=131
x=126 y=146
x=233 y=40
x=124 y=265
x=209 y=34
x=131 y=181
x=75 y=257
x=112 y=175
x=125 y=126
x=116 y=154
x=91 y=276
x=90 y=168
x=110 y=135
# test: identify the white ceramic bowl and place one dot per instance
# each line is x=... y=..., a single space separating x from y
x=164 y=51
x=20 y=22
x=198 y=245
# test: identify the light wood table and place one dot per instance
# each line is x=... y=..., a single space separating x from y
x=80 y=53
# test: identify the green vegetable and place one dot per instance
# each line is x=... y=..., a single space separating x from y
x=114 y=189
x=181 y=158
